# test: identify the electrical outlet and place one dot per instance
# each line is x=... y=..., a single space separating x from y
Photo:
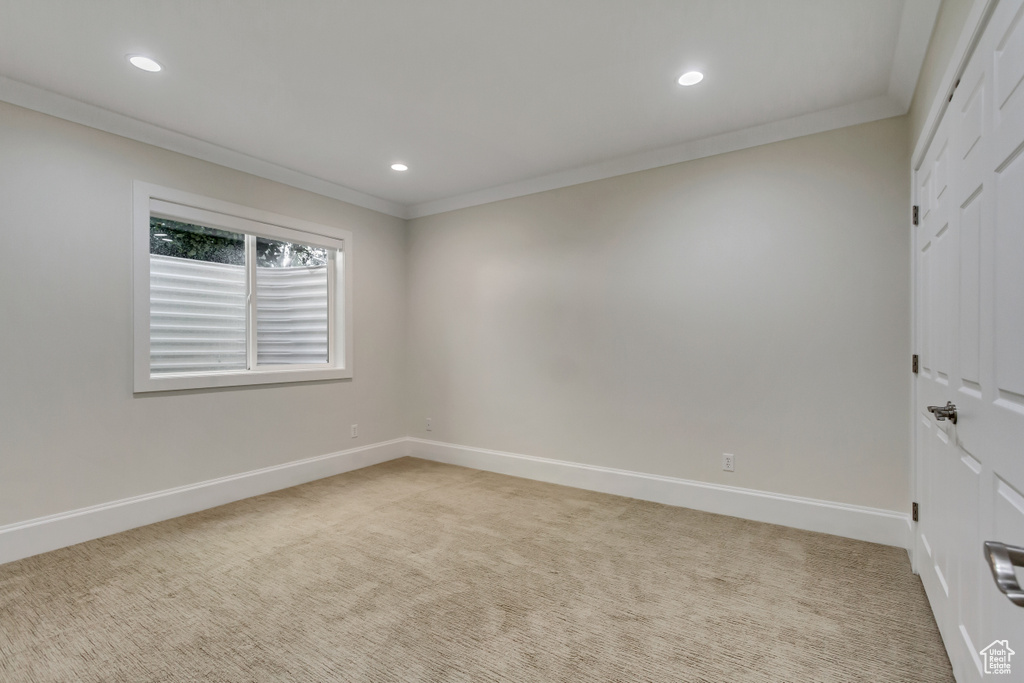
x=355 y=431
x=728 y=462
x=429 y=426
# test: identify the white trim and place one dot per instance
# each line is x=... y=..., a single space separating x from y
x=818 y=122
x=841 y=519
x=970 y=34
x=230 y=209
x=974 y=26
x=47 y=102
x=233 y=222
x=906 y=67
x=152 y=199
x=43 y=534
x=916 y=25
x=912 y=550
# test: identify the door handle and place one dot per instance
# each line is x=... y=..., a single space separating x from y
x=1002 y=559
x=941 y=413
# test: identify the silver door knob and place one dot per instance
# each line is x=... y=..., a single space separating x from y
x=946 y=412
x=1002 y=559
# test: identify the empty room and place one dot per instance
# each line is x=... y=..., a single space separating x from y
x=545 y=340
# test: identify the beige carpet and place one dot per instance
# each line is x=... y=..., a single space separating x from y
x=415 y=571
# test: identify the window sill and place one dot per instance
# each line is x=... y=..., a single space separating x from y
x=209 y=380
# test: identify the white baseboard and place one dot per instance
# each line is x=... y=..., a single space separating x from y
x=852 y=521
x=43 y=534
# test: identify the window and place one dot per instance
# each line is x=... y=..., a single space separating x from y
x=226 y=295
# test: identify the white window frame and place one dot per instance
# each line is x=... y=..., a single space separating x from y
x=167 y=202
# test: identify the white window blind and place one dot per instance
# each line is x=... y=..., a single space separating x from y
x=197 y=316
x=291 y=315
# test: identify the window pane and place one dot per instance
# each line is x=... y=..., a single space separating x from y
x=197 y=303
x=291 y=303
x=197 y=242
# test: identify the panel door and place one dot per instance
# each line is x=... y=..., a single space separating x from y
x=969 y=330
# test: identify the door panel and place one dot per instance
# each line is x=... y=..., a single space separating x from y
x=970 y=295
x=970 y=576
x=1009 y=283
x=1008 y=61
x=1005 y=617
x=969 y=326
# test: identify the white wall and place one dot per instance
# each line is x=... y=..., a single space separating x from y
x=755 y=303
x=71 y=432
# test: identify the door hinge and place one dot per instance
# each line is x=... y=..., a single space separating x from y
x=953 y=91
x=916 y=215
x=914 y=360
x=914 y=512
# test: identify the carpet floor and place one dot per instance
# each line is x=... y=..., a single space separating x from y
x=417 y=571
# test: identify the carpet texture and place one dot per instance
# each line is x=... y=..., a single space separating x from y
x=416 y=571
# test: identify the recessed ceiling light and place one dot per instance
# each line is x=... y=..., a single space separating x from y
x=691 y=78
x=399 y=167
x=144 y=63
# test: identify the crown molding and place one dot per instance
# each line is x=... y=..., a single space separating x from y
x=47 y=102
x=911 y=45
x=882 y=107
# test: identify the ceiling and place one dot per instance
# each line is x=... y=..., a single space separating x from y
x=483 y=99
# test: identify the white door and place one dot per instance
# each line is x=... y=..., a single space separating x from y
x=969 y=317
